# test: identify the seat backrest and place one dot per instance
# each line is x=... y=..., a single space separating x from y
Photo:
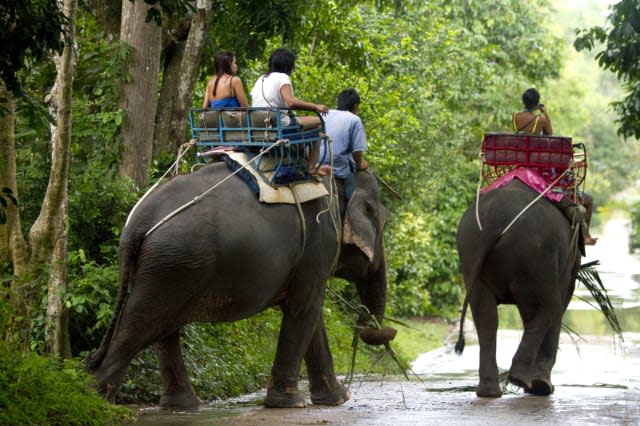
x=264 y=119
x=209 y=119
x=236 y=120
x=527 y=150
x=207 y=127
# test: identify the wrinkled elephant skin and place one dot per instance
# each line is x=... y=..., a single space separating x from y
x=533 y=265
x=225 y=258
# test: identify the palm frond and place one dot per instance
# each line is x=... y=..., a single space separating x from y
x=589 y=277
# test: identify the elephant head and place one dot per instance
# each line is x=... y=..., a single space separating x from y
x=362 y=259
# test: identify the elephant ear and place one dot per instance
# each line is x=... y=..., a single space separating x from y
x=365 y=216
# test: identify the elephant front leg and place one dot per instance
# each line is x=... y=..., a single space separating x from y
x=485 y=316
x=177 y=392
x=325 y=389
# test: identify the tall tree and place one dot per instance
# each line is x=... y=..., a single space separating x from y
x=11 y=228
x=29 y=29
x=60 y=104
x=620 y=54
x=139 y=95
x=178 y=81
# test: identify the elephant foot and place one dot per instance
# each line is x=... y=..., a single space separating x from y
x=489 y=391
x=517 y=381
x=108 y=392
x=186 y=400
x=374 y=336
x=540 y=387
x=335 y=394
x=289 y=398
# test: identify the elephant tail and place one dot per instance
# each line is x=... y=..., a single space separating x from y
x=460 y=343
x=472 y=279
x=95 y=359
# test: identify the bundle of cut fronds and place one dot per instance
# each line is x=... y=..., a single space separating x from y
x=588 y=275
x=363 y=313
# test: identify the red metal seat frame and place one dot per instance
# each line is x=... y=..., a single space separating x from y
x=550 y=155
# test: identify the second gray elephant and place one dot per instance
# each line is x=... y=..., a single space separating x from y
x=530 y=261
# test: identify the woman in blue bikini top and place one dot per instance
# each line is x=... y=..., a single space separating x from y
x=225 y=90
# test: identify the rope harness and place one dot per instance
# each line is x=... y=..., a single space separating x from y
x=527 y=207
x=199 y=197
x=173 y=169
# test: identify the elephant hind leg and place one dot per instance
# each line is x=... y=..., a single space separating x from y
x=484 y=309
x=177 y=392
x=546 y=359
x=325 y=389
x=536 y=353
x=540 y=387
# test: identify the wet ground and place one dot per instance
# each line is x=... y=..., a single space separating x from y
x=596 y=377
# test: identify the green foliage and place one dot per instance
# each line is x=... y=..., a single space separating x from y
x=98 y=198
x=621 y=55
x=90 y=298
x=100 y=207
x=424 y=113
x=40 y=390
x=37 y=390
x=29 y=30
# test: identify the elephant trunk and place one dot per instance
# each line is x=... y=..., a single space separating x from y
x=373 y=295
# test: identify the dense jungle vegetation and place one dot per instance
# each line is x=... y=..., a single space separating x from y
x=433 y=76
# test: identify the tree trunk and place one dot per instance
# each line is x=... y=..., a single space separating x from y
x=108 y=14
x=49 y=233
x=139 y=97
x=13 y=247
x=178 y=83
x=58 y=340
x=7 y=166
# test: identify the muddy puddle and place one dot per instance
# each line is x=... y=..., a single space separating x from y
x=596 y=377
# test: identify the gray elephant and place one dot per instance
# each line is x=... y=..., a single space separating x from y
x=532 y=265
x=225 y=258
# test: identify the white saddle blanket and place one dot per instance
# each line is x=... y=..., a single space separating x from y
x=305 y=191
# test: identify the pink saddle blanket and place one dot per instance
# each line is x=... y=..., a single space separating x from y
x=529 y=177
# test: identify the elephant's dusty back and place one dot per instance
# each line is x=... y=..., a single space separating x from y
x=171 y=212
x=508 y=228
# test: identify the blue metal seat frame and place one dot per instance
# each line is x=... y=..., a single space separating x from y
x=254 y=129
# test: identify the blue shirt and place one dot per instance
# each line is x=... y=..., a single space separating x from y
x=230 y=102
x=347 y=132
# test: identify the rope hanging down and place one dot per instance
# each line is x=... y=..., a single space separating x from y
x=199 y=197
x=173 y=167
x=528 y=206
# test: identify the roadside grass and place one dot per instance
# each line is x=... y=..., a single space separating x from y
x=41 y=390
